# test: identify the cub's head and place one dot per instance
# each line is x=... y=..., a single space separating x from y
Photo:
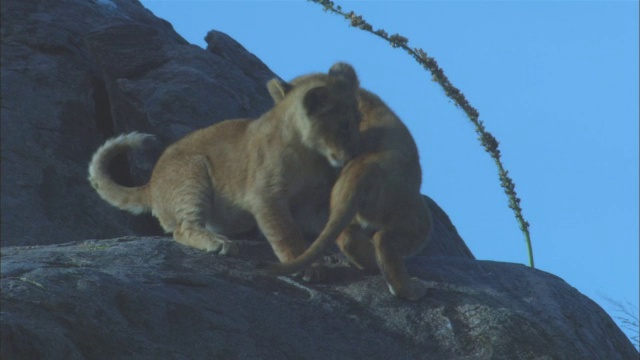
x=325 y=110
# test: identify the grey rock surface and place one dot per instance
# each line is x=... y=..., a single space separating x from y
x=151 y=298
x=444 y=239
x=77 y=72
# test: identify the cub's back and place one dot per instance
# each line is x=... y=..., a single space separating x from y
x=383 y=132
x=212 y=140
x=219 y=145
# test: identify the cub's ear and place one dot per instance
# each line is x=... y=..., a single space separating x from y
x=346 y=73
x=318 y=100
x=278 y=89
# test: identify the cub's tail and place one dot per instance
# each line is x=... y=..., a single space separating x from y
x=132 y=199
x=346 y=197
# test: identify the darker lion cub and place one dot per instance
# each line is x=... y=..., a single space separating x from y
x=275 y=171
x=377 y=212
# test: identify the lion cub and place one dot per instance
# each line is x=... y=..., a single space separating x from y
x=275 y=171
x=377 y=212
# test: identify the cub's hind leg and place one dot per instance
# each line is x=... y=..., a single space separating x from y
x=355 y=242
x=391 y=249
x=191 y=232
x=185 y=202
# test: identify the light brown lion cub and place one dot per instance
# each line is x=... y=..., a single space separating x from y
x=276 y=171
x=377 y=212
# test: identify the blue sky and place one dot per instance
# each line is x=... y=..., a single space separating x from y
x=556 y=82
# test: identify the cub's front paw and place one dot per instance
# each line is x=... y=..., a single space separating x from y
x=313 y=273
x=224 y=247
x=415 y=290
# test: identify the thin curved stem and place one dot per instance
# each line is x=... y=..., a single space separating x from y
x=487 y=140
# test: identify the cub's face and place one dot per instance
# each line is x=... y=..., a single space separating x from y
x=333 y=130
x=330 y=116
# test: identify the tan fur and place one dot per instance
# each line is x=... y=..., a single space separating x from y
x=275 y=171
x=378 y=215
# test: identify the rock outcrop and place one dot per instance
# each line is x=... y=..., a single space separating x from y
x=77 y=72
x=151 y=298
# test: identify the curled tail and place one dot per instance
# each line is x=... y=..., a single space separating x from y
x=346 y=196
x=132 y=199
